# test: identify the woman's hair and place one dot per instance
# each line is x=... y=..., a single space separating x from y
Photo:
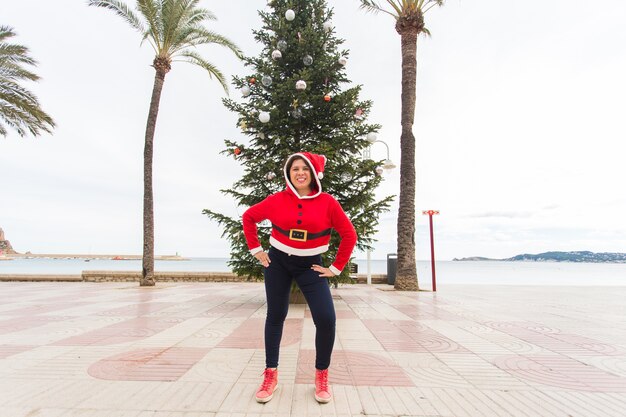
x=288 y=169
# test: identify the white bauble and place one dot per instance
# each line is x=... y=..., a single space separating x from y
x=264 y=117
x=300 y=85
x=342 y=61
x=290 y=15
x=245 y=91
x=276 y=54
x=371 y=137
x=328 y=26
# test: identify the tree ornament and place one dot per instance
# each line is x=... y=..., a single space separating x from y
x=296 y=113
x=270 y=176
x=345 y=177
x=371 y=137
x=266 y=80
x=290 y=15
x=245 y=91
x=307 y=60
x=252 y=80
x=264 y=117
x=281 y=45
x=328 y=26
x=277 y=141
x=342 y=61
x=260 y=135
x=327 y=98
x=300 y=85
x=243 y=125
x=237 y=151
x=276 y=54
x=379 y=170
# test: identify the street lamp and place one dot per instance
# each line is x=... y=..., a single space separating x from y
x=372 y=138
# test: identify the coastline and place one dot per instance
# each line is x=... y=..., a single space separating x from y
x=90 y=256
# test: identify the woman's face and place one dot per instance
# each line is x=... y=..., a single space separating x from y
x=300 y=176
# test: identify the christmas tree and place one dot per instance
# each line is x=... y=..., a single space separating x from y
x=293 y=101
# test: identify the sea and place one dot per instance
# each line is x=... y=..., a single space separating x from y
x=446 y=272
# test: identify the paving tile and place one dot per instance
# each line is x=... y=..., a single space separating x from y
x=196 y=350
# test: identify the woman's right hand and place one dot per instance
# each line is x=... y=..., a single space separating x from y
x=263 y=257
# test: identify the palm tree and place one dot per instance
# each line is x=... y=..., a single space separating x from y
x=409 y=17
x=19 y=108
x=173 y=28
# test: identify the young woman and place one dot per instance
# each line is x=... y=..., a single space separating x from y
x=302 y=217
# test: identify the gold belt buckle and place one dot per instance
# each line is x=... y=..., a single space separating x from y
x=297 y=234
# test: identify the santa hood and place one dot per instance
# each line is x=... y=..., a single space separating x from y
x=316 y=163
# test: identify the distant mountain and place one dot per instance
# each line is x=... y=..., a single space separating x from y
x=579 y=256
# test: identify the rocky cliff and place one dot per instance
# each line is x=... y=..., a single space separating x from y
x=5 y=245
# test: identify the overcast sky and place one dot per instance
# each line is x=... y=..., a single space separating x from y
x=520 y=129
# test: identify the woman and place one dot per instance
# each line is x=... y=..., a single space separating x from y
x=302 y=217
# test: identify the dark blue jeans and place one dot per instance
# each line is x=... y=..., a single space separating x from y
x=279 y=274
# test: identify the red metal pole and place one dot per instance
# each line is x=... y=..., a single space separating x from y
x=432 y=251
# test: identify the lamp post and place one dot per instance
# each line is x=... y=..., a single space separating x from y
x=372 y=138
x=430 y=214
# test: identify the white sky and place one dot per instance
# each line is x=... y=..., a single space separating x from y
x=519 y=125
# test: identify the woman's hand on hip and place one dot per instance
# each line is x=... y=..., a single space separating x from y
x=263 y=258
x=324 y=272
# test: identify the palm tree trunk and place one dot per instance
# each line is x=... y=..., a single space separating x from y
x=406 y=275
x=147 y=274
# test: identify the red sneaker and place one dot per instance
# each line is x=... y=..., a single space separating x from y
x=268 y=386
x=322 y=391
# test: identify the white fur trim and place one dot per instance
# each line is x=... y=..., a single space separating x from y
x=290 y=185
x=256 y=250
x=298 y=252
x=334 y=270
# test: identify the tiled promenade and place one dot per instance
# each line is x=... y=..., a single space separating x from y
x=195 y=349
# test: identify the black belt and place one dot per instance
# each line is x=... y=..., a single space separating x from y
x=301 y=235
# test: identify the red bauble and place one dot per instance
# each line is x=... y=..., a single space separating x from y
x=327 y=97
x=236 y=151
x=252 y=80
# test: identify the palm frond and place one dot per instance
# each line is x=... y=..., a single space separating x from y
x=6 y=32
x=172 y=14
x=122 y=10
x=15 y=53
x=151 y=11
x=373 y=7
x=199 y=36
x=19 y=108
x=24 y=116
x=432 y=3
x=12 y=71
x=196 y=59
x=402 y=7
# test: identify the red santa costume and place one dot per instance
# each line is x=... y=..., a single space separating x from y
x=301 y=225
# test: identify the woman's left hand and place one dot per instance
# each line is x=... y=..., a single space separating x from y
x=324 y=272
